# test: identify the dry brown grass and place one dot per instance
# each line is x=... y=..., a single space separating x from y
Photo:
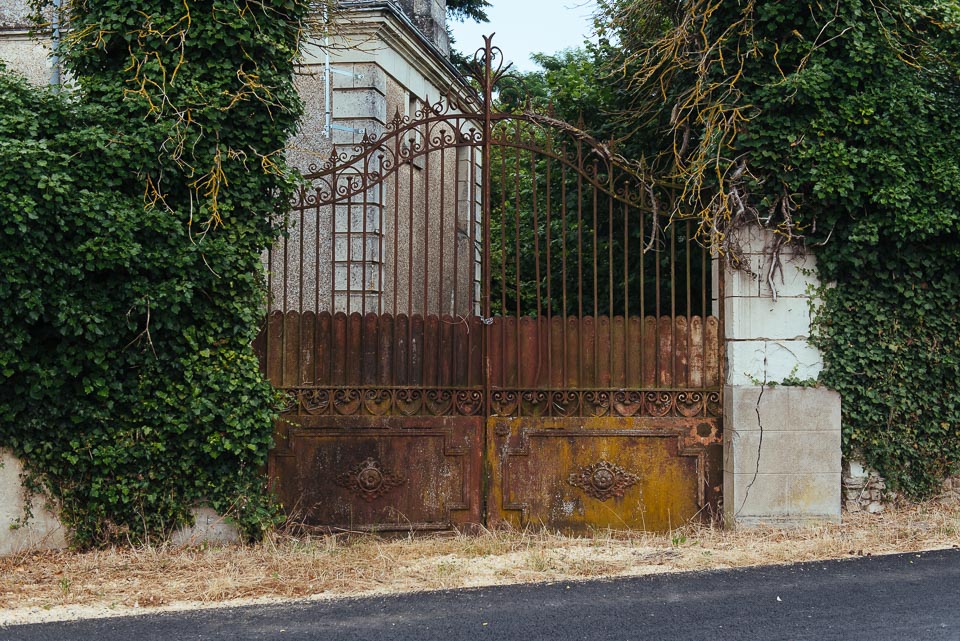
x=57 y=585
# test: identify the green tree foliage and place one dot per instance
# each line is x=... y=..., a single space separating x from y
x=595 y=261
x=834 y=124
x=134 y=218
x=468 y=10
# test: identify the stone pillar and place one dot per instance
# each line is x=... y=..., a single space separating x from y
x=782 y=462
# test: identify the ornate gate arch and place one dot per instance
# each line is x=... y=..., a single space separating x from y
x=478 y=315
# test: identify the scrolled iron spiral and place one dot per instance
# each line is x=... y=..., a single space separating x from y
x=713 y=404
x=469 y=402
x=690 y=404
x=504 y=402
x=409 y=401
x=535 y=402
x=658 y=404
x=438 y=401
x=442 y=138
x=377 y=401
x=599 y=401
x=627 y=403
x=315 y=401
x=289 y=401
x=347 y=401
x=566 y=403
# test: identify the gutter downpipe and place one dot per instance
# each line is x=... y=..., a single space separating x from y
x=328 y=76
x=55 y=74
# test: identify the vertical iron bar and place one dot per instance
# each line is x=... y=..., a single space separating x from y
x=410 y=197
x=485 y=158
x=516 y=237
x=536 y=259
x=655 y=233
x=457 y=177
x=349 y=255
x=673 y=296
x=610 y=312
x=364 y=259
x=580 y=262
x=442 y=220
x=626 y=285
x=396 y=241
x=455 y=308
x=333 y=244
x=643 y=282
x=316 y=288
x=270 y=304
x=549 y=267
x=596 y=287
x=472 y=214
x=283 y=331
x=363 y=248
x=703 y=309
x=564 y=313
x=426 y=236
x=503 y=266
x=381 y=229
x=300 y=298
x=689 y=294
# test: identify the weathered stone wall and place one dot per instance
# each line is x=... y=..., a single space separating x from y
x=430 y=16
x=23 y=51
x=782 y=444
x=17 y=532
x=14 y=14
x=864 y=490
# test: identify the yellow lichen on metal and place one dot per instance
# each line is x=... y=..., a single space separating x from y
x=579 y=474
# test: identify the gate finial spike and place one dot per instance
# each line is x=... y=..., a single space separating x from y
x=398 y=119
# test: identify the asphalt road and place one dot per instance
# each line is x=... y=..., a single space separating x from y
x=910 y=597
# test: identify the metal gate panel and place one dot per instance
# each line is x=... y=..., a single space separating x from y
x=484 y=315
x=602 y=472
x=361 y=473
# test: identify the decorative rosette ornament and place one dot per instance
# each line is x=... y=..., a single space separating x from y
x=603 y=480
x=368 y=480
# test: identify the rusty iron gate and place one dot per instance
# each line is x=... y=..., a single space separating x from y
x=480 y=316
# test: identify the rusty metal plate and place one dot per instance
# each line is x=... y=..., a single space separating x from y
x=621 y=473
x=379 y=473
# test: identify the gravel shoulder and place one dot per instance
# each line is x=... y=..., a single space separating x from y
x=59 y=586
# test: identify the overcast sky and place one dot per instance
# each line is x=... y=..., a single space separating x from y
x=528 y=26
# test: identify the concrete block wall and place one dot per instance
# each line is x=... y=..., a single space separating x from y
x=782 y=456
x=781 y=463
x=42 y=531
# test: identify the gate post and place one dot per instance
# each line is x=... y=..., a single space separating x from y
x=782 y=459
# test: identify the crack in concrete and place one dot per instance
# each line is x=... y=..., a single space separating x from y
x=756 y=472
